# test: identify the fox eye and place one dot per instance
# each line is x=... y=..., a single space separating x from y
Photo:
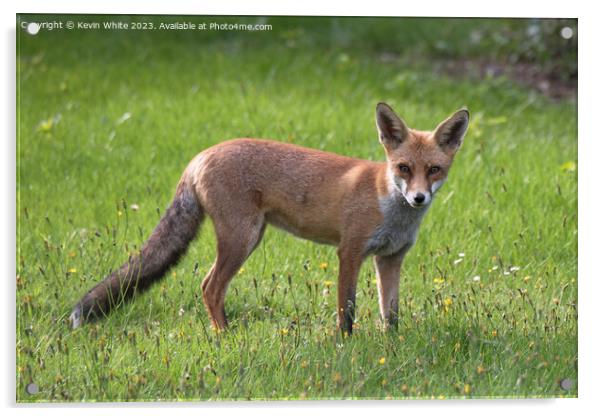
x=404 y=168
x=434 y=169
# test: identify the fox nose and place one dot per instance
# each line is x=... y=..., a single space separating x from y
x=419 y=198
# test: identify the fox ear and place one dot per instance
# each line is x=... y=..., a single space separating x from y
x=392 y=131
x=450 y=133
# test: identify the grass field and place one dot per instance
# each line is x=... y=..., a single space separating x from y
x=107 y=121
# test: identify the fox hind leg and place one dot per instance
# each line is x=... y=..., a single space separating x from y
x=235 y=243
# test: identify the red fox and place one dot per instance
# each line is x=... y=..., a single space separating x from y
x=362 y=207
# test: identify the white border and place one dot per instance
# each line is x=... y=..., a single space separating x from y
x=589 y=143
x=470 y=8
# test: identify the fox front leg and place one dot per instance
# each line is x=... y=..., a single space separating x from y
x=388 y=270
x=350 y=262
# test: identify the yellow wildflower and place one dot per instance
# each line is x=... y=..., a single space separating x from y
x=568 y=166
x=46 y=125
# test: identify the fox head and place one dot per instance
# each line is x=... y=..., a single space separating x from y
x=418 y=161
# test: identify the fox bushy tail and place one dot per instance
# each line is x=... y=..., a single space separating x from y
x=166 y=245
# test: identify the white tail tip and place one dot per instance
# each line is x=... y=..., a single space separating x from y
x=76 y=317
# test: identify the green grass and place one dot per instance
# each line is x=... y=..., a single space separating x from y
x=510 y=208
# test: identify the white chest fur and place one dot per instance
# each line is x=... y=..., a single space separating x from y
x=399 y=227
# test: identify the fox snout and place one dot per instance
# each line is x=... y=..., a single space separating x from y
x=420 y=198
x=415 y=196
